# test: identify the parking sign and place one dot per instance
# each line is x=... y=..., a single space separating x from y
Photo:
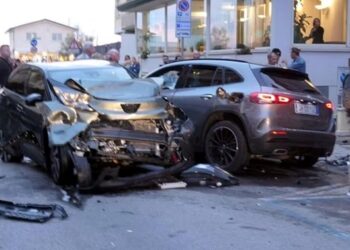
x=183 y=18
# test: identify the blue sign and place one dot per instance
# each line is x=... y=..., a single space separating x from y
x=34 y=42
x=183 y=18
x=184 y=5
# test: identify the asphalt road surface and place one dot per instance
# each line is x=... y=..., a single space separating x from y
x=273 y=208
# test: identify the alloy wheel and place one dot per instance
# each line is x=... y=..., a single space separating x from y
x=223 y=146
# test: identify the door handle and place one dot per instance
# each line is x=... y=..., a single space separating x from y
x=19 y=108
x=207 y=96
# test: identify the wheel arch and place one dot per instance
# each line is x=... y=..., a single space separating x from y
x=225 y=116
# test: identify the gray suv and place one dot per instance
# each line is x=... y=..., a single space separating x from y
x=241 y=109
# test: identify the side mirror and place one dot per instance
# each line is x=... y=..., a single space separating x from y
x=32 y=99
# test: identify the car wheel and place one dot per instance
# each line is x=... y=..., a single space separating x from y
x=8 y=157
x=225 y=145
x=302 y=161
x=61 y=165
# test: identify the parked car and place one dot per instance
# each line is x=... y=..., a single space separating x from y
x=90 y=122
x=240 y=109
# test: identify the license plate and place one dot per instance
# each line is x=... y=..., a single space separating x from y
x=306 y=109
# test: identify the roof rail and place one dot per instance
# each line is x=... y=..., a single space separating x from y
x=213 y=59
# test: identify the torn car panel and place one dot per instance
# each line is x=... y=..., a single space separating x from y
x=31 y=212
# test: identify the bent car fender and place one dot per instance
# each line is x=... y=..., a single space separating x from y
x=61 y=134
x=64 y=123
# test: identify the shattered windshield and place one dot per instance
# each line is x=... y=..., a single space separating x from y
x=91 y=77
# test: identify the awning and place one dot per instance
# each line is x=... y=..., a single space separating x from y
x=133 y=5
x=143 y=5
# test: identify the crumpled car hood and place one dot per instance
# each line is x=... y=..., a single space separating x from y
x=126 y=90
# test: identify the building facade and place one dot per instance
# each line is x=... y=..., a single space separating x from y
x=246 y=29
x=49 y=36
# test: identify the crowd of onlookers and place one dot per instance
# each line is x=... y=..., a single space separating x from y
x=112 y=55
x=273 y=59
x=298 y=63
x=7 y=64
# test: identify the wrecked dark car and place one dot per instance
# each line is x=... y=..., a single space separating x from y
x=89 y=122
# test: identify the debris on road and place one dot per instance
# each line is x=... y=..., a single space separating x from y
x=31 y=212
x=71 y=195
x=342 y=161
x=208 y=175
x=2 y=176
x=170 y=183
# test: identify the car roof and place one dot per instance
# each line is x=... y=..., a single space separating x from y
x=214 y=61
x=80 y=64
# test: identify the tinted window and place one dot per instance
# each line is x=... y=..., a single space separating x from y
x=92 y=77
x=231 y=76
x=36 y=83
x=286 y=79
x=17 y=81
x=170 y=76
x=200 y=76
x=217 y=80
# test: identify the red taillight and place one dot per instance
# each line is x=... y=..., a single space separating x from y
x=268 y=98
x=279 y=132
x=329 y=105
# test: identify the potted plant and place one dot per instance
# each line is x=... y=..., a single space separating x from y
x=300 y=22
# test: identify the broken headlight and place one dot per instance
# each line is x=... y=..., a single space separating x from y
x=73 y=98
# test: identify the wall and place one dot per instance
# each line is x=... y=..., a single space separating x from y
x=128 y=46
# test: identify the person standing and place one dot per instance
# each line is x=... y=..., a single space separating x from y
x=5 y=64
x=113 y=56
x=135 y=67
x=272 y=59
x=127 y=62
x=298 y=62
x=316 y=32
x=88 y=51
x=196 y=55
x=165 y=59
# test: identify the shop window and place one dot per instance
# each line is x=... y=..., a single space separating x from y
x=198 y=25
x=253 y=23
x=151 y=31
x=320 y=21
x=155 y=36
x=197 y=40
x=239 y=24
x=222 y=24
x=140 y=30
x=173 y=44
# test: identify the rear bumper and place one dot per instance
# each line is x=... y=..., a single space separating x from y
x=294 y=142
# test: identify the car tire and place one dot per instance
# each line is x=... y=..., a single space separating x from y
x=61 y=165
x=226 y=146
x=301 y=161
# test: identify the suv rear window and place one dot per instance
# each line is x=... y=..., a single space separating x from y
x=285 y=79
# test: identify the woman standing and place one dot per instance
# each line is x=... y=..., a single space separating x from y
x=135 y=66
x=316 y=32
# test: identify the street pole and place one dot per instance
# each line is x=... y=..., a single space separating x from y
x=182 y=47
